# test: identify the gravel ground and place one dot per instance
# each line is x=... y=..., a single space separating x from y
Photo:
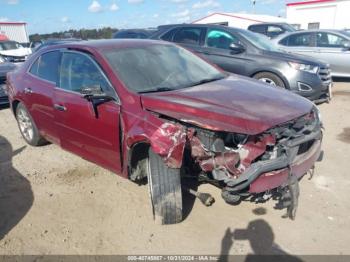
x=53 y=202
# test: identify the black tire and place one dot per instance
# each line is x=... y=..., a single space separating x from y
x=165 y=191
x=35 y=139
x=271 y=76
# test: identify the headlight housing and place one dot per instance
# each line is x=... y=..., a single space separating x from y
x=304 y=67
x=318 y=115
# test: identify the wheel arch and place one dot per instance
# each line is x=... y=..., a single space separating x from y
x=137 y=155
x=272 y=71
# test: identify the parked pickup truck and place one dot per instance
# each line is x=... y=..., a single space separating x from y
x=151 y=110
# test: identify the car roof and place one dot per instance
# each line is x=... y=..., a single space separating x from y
x=105 y=44
x=224 y=27
x=269 y=23
x=336 y=31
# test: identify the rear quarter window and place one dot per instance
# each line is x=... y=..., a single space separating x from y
x=46 y=66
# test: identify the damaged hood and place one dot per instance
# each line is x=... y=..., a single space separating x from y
x=234 y=104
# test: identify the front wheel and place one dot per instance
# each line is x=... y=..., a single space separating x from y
x=27 y=127
x=165 y=190
x=270 y=78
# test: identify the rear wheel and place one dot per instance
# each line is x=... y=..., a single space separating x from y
x=165 y=190
x=27 y=127
x=270 y=78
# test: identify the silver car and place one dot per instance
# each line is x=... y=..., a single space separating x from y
x=330 y=46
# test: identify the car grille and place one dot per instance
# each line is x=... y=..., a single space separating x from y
x=325 y=75
x=2 y=80
x=15 y=59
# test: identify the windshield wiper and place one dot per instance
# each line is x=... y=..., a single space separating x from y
x=207 y=80
x=158 y=89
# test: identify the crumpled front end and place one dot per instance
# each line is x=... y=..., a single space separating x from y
x=244 y=165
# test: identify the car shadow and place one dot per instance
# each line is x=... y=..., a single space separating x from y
x=261 y=239
x=16 y=196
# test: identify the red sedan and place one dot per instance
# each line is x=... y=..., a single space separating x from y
x=154 y=111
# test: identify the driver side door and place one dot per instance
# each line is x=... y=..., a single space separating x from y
x=93 y=137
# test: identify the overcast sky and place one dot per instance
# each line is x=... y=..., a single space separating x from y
x=46 y=16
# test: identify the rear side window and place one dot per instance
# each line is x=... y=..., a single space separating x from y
x=258 y=29
x=168 y=36
x=34 y=69
x=47 y=66
x=188 y=35
x=329 y=40
x=304 y=39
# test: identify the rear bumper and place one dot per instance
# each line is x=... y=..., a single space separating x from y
x=269 y=174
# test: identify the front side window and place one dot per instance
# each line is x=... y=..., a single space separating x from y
x=304 y=39
x=47 y=66
x=188 y=35
x=329 y=40
x=159 y=67
x=220 y=39
x=79 y=71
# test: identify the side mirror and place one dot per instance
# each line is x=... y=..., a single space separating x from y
x=96 y=96
x=237 y=48
x=91 y=90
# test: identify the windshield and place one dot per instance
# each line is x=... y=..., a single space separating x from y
x=346 y=32
x=260 y=41
x=289 y=28
x=9 y=45
x=160 y=68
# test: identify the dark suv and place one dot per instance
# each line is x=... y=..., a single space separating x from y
x=271 y=30
x=246 y=53
x=5 y=67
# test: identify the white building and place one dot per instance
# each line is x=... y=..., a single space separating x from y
x=319 y=14
x=239 y=20
x=15 y=31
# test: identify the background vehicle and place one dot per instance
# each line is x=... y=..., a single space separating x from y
x=246 y=53
x=13 y=51
x=271 y=30
x=134 y=33
x=50 y=42
x=331 y=46
x=151 y=109
x=5 y=67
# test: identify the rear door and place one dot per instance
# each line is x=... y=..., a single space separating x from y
x=39 y=84
x=301 y=43
x=93 y=137
x=331 y=50
x=217 y=50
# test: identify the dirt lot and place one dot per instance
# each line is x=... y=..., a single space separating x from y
x=52 y=202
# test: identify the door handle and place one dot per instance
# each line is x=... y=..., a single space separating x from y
x=28 y=90
x=60 y=107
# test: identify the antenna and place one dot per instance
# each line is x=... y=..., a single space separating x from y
x=253 y=3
